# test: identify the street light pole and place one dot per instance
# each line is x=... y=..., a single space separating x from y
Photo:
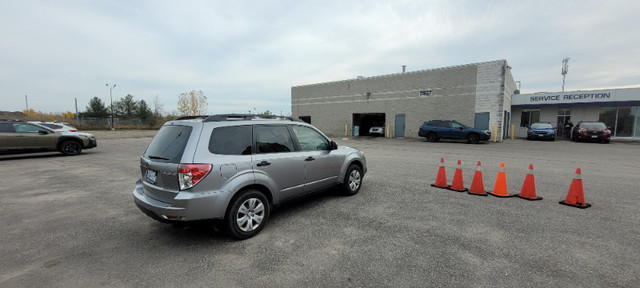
x=26 y=102
x=111 y=97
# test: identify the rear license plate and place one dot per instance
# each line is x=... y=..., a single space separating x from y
x=151 y=176
x=594 y=136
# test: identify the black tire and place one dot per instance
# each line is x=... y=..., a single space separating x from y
x=70 y=148
x=431 y=137
x=553 y=139
x=352 y=180
x=247 y=214
x=473 y=138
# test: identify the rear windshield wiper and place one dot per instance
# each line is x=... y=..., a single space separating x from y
x=158 y=158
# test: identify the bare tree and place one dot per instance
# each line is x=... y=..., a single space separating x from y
x=192 y=103
x=157 y=107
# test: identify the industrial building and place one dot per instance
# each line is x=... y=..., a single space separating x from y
x=478 y=94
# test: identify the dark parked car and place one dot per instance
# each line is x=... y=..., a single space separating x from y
x=434 y=130
x=541 y=130
x=20 y=136
x=591 y=131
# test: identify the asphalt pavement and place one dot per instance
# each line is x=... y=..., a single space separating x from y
x=71 y=222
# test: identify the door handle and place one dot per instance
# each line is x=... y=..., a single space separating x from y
x=263 y=163
x=309 y=159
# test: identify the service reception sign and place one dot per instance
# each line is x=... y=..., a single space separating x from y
x=577 y=97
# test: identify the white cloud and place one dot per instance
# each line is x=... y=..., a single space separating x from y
x=249 y=54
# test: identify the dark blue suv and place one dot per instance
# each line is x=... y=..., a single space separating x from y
x=541 y=130
x=435 y=129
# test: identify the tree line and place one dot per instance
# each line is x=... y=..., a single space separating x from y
x=127 y=108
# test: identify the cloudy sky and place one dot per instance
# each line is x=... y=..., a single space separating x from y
x=248 y=54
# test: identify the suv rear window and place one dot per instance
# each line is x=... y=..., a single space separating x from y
x=234 y=140
x=169 y=143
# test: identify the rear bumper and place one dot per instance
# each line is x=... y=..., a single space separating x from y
x=186 y=206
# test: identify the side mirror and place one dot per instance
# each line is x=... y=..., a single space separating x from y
x=333 y=145
x=43 y=132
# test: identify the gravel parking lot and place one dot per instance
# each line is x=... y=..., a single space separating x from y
x=71 y=222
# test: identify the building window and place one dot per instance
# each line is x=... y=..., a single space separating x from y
x=608 y=116
x=529 y=116
x=425 y=93
x=623 y=120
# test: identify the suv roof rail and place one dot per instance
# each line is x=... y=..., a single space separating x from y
x=237 y=117
x=11 y=120
x=192 y=117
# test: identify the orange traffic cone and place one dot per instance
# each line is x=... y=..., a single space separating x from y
x=458 y=184
x=528 y=191
x=500 y=187
x=477 y=186
x=575 y=197
x=441 y=179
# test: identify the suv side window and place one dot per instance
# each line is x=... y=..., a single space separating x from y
x=52 y=126
x=273 y=139
x=456 y=125
x=309 y=139
x=6 y=128
x=26 y=128
x=233 y=140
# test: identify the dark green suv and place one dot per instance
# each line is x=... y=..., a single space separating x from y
x=20 y=136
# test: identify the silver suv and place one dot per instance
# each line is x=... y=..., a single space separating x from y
x=237 y=167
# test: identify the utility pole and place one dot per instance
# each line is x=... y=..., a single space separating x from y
x=26 y=102
x=111 y=97
x=565 y=70
x=76 y=100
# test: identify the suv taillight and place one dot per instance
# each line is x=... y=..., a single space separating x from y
x=190 y=174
